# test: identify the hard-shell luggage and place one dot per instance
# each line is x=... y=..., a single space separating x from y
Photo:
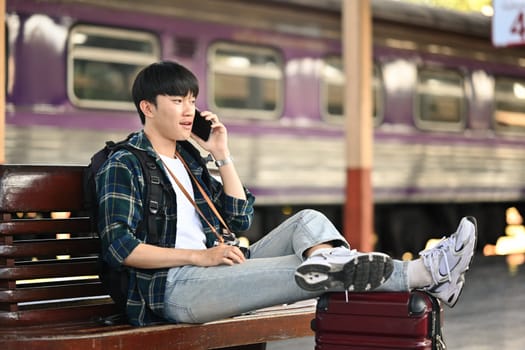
x=378 y=320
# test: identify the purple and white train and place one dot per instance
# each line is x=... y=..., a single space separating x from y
x=449 y=109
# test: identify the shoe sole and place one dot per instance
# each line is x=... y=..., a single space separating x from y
x=363 y=273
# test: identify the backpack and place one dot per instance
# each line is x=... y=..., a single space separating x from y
x=115 y=281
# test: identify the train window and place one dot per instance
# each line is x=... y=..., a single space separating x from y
x=509 y=114
x=440 y=101
x=377 y=93
x=333 y=84
x=245 y=79
x=103 y=63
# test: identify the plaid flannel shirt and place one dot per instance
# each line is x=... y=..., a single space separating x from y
x=119 y=188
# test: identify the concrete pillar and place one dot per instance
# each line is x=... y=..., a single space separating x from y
x=2 y=81
x=357 y=62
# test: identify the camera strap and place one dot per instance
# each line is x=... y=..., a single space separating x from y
x=203 y=193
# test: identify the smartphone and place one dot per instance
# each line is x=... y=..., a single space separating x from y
x=201 y=127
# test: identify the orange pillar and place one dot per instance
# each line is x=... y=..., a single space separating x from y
x=2 y=81
x=357 y=62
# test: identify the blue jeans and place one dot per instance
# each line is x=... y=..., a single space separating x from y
x=202 y=294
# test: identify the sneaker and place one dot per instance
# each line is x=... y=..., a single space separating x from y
x=448 y=261
x=341 y=269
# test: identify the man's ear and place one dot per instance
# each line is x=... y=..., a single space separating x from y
x=147 y=108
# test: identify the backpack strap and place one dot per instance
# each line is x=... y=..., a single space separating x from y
x=152 y=192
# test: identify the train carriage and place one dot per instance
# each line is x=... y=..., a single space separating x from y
x=448 y=107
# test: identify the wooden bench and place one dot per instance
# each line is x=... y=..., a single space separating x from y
x=50 y=294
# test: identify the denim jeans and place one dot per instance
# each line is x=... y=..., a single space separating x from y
x=202 y=294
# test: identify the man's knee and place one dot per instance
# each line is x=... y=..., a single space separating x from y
x=311 y=213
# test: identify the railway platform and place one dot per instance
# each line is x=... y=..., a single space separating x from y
x=490 y=314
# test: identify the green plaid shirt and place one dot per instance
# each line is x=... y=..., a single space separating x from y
x=119 y=188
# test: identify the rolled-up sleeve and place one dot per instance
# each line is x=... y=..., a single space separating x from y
x=120 y=209
x=237 y=212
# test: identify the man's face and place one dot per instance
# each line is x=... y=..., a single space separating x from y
x=173 y=116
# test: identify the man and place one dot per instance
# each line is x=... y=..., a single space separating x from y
x=190 y=275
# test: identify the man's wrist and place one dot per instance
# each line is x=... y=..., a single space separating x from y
x=224 y=161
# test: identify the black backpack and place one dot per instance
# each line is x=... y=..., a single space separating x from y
x=115 y=281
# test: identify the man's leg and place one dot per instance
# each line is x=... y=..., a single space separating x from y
x=198 y=294
x=440 y=271
x=203 y=294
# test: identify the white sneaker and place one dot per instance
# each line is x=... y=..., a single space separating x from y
x=448 y=261
x=341 y=269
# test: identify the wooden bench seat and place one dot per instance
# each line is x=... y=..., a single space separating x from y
x=50 y=294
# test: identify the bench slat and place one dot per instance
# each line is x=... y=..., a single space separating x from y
x=221 y=334
x=87 y=288
x=26 y=188
x=42 y=226
x=60 y=268
x=73 y=246
x=58 y=315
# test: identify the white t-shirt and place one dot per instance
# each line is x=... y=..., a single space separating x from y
x=190 y=234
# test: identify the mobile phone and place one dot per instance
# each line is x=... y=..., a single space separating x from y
x=201 y=127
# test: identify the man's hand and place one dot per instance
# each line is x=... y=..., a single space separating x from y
x=222 y=254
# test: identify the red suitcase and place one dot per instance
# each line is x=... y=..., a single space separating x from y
x=378 y=320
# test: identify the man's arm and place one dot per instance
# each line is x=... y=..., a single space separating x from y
x=120 y=214
x=147 y=256
x=217 y=144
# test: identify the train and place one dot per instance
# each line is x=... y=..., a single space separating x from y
x=448 y=107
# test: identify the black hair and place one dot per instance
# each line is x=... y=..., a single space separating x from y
x=163 y=78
